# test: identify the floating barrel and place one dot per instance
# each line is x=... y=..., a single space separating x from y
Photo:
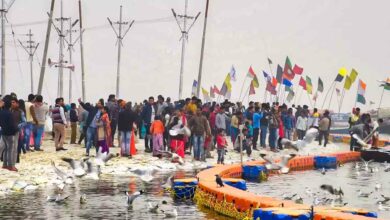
x=184 y=188
x=281 y=214
x=254 y=173
x=236 y=183
x=327 y=162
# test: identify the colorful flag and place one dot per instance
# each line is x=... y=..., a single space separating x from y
x=269 y=60
x=309 y=85
x=206 y=96
x=302 y=83
x=290 y=95
x=274 y=82
x=297 y=70
x=216 y=90
x=252 y=88
x=255 y=82
x=347 y=83
x=287 y=89
x=361 y=92
x=279 y=74
x=212 y=93
x=320 y=85
x=226 y=87
x=385 y=84
x=270 y=88
x=251 y=74
x=267 y=76
x=194 y=87
x=340 y=76
x=288 y=72
x=353 y=75
x=287 y=82
x=233 y=74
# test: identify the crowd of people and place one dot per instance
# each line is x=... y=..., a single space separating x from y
x=183 y=127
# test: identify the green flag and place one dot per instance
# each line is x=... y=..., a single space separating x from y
x=320 y=85
x=309 y=85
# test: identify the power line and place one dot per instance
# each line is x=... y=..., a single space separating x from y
x=30 y=48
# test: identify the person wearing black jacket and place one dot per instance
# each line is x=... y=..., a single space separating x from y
x=9 y=129
x=73 y=123
x=126 y=119
x=94 y=114
x=148 y=113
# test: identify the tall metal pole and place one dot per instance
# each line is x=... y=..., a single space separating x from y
x=70 y=47
x=3 y=11
x=202 y=50
x=118 y=67
x=61 y=55
x=31 y=60
x=183 y=48
x=44 y=58
x=82 y=54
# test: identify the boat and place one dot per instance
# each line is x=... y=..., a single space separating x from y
x=378 y=155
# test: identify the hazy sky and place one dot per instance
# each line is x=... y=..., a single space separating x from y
x=321 y=36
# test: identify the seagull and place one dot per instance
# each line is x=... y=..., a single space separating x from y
x=92 y=172
x=385 y=199
x=357 y=166
x=51 y=198
x=218 y=180
x=102 y=158
x=381 y=207
x=83 y=199
x=378 y=186
x=78 y=166
x=281 y=166
x=153 y=208
x=288 y=197
x=61 y=199
x=363 y=194
x=132 y=197
x=65 y=178
x=175 y=158
x=145 y=173
x=323 y=171
x=168 y=183
x=366 y=163
x=170 y=213
x=332 y=190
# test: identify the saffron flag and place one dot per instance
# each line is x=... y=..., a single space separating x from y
x=287 y=82
x=194 y=87
x=347 y=83
x=212 y=93
x=309 y=85
x=361 y=92
x=340 y=76
x=269 y=60
x=252 y=88
x=251 y=74
x=320 y=85
x=302 y=83
x=288 y=72
x=385 y=84
x=279 y=74
x=274 y=82
x=255 y=82
x=297 y=70
x=290 y=95
x=233 y=74
x=270 y=88
x=206 y=96
x=353 y=75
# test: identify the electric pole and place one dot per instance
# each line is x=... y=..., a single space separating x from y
x=202 y=49
x=61 y=52
x=82 y=54
x=71 y=43
x=119 y=42
x=30 y=48
x=3 y=11
x=47 y=40
x=184 y=38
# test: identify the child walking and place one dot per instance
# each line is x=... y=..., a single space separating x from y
x=157 y=131
x=221 y=145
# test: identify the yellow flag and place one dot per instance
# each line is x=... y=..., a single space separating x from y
x=227 y=82
x=353 y=75
x=348 y=83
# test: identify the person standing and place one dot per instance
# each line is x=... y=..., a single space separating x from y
x=178 y=121
x=148 y=113
x=59 y=124
x=83 y=116
x=234 y=123
x=104 y=131
x=264 y=125
x=257 y=115
x=157 y=131
x=324 y=128
x=19 y=112
x=221 y=145
x=288 y=123
x=200 y=128
x=74 y=118
x=30 y=121
x=273 y=127
x=302 y=125
x=113 y=112
x=9 y=130
x=126 y=120
x=40 y=110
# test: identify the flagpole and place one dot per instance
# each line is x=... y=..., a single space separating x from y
x=295 y=97
x=300 y=96
x=242 y=87
x=265 y=95
x=327 y=93
x=311 y=103
x=331 y=95
x=380 y=102
x=246 y=93
x=357 y=92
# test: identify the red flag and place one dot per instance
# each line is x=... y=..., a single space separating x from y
x=270 y=88
x=302 y=83
x=251 y=74
x=274 y=82
x=216 y=90
x=252 y=89
x=297 y=70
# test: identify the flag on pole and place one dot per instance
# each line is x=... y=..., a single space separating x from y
x=226 y=87
x=212 y=93
x=255 y=82
x=251 y=74
x=270 y=88
x=279 y=74
x=309 y=85
x=233 y=74
x=287 y=82
x=216 y=90
x=320 y=85
x=290 y=95
x=353 y=75
x=252 y=88
x=269 y=61
x=274 y=82
x=361 y=92
x=297 y=70
x=287 y=89
x=385 y=84
x=302 y=83
x=347 y=83
x=288 y=72
x=206 y=96
x=340 y=76
x=194 y=87
x=267 y=76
